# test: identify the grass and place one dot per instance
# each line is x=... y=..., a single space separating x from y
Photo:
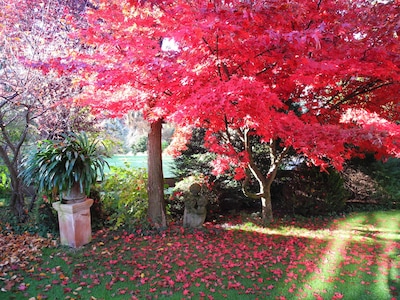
x=352 y=257
x=140 y=161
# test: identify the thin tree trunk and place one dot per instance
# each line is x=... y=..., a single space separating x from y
x=266 y=208
x=264 y=182
x=155 y=186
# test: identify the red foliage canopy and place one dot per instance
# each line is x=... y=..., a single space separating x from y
x=322 y=77
x=319 y=76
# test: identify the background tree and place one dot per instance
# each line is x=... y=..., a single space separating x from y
x=30 y=30
x=195 y=158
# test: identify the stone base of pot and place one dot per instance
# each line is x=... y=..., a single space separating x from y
x=75 y=223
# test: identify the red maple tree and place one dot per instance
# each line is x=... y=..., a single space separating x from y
x=319 y=77
x=122 y=66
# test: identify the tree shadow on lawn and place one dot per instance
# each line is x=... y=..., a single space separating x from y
x=357 y=257
x=362 y=260
x=349 y=258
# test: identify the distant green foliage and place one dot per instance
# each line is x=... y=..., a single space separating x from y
x=124 y=197
x=112 y=146
x=164 y=145
x=140 y=145
x=5 y=188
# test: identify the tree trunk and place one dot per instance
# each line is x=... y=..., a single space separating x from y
x=17 y=201
x=10 y=151
x=264 y=194
x=155 y=187
x=266 y=207
x=264 y=182
x=17 y=198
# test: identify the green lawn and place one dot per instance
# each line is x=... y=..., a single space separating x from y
x=353 y=257
x=140 y=161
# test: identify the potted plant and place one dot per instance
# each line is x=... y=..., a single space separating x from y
x=67 y=166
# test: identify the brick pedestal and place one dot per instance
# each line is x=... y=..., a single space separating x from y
x=75 y=223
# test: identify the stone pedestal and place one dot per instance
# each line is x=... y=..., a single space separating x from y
x=75 y=224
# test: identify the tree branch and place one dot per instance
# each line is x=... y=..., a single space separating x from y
x=363 y=89
x=319 y=4
x=253 y=169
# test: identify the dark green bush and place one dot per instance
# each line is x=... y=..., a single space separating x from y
x=374 y=184
x=387 y=174
x=97 y=213
x=308 y=191
x=195 y=159
x=44 y=217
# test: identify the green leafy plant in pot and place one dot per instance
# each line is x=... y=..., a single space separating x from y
x=68 y=166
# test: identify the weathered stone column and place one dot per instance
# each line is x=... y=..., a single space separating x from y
x=75 y=223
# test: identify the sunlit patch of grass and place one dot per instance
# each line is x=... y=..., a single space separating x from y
x=355 y=227
x=325 y=234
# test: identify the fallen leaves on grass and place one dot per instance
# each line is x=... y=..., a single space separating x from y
x=17 y=252
x=311 y=259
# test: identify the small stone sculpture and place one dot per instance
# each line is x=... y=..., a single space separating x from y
x=195 y=207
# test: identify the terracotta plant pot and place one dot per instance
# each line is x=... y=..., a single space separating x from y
x=75 y=195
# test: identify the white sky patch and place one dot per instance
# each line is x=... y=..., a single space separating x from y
x=169 y=44
x=359 y=35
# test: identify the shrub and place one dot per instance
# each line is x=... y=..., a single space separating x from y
x=195 y=162
x=195 y=159
x=373 y=183
x=124 y=197
x=387 y=174
x=44 y=217
x=97 y=214
x=308 y=191
x=5 y=187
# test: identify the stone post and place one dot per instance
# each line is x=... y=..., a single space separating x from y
x=75 y=224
